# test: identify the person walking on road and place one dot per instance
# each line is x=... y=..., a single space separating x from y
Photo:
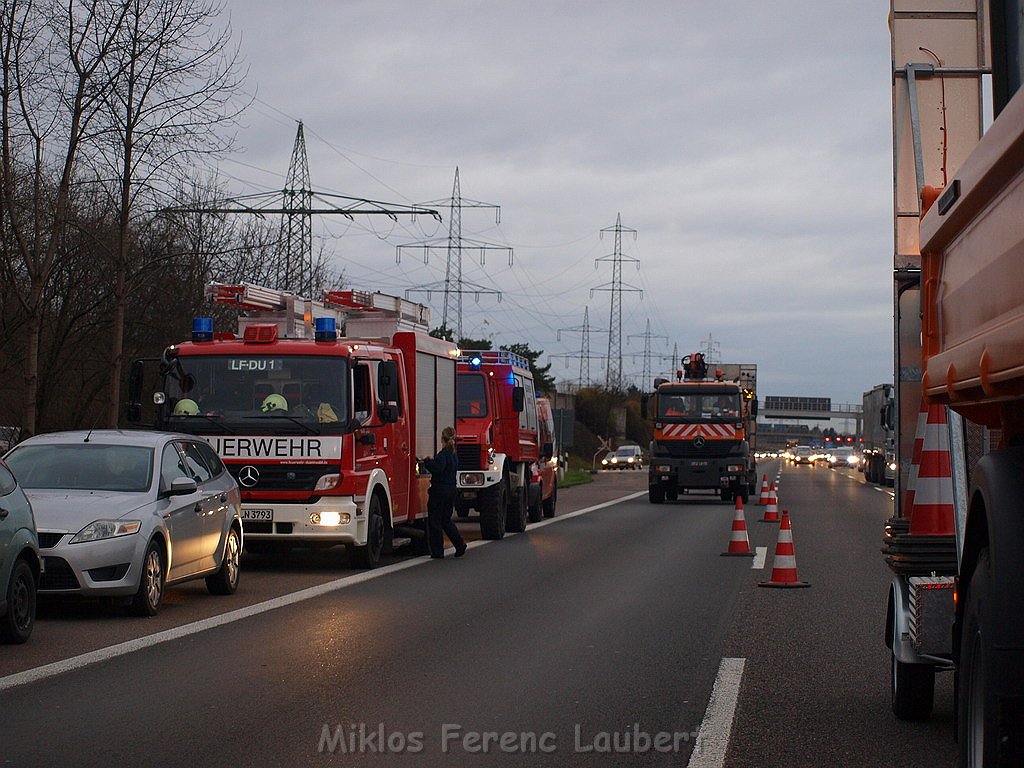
x=441 y=497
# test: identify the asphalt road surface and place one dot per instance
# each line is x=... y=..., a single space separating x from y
x=593 y=639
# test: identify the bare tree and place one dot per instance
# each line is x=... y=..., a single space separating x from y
x=175 y=84
x=49 y=97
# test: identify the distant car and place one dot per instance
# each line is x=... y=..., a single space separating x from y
x=802 y=454
x=624 y=457
x=844 y=457
x=125 y=514
x=19 y=561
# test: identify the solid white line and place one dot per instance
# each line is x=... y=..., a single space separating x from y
x=713 y=738
x=130 y=646
x=760 y=555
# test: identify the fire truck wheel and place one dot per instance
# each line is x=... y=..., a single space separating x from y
x=551 y=501
x=517 y=511
x=913 y=689
x=151 y=584
x=368 y=555
x=225 y=580
x=976 y=709
x=493 y=502
x=536 y=509
x=655 y=494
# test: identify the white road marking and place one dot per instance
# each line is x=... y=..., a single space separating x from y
x=760 y=555
x=713 y=738
x=120 y=649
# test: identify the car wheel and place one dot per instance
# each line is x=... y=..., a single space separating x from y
x=493 y=502
x=672 y=495
x=151 y=584
x=16 y=625
x=225 y=580
x=368 y=555
x=655 y=494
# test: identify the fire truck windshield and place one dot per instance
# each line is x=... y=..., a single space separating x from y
x=471 y=394
x=259 y=394
x=703 y=405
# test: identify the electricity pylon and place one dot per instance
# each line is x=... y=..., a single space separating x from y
x=613 y=377
x=647 y=336
x=584 y=355
x=298 y=203
x=454 y=285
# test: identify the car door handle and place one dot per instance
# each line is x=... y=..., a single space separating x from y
x=198 y=508
x=4 y=513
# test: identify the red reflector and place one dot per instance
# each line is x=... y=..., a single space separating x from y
x=260 y=334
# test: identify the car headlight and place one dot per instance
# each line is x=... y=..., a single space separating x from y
x=604 y=461
x=893 y=466
x=630 y=459
x=106 y=529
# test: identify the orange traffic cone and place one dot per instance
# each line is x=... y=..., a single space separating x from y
x=932 y=513
x=915 y=461
x=784 y=563
x=739 y=544
x=771 y=512
x=764 y=491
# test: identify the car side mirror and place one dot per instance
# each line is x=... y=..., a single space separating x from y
x=183 y=486
x=388 y=413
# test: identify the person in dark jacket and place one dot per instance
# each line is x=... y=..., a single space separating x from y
x=441 y=497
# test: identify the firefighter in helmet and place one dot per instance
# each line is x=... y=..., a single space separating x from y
x=274 y=402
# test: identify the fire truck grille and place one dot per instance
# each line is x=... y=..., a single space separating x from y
x=469 y=456
x=279 y=477
x=684 y=448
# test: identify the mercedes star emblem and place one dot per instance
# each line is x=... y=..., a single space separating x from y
x=698 y=442
x=248 y=476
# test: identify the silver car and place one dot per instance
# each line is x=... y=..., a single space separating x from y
x=125 y=514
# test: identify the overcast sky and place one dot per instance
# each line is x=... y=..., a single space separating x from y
x=748 y=143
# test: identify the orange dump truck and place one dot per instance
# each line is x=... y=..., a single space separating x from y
x=956 y=542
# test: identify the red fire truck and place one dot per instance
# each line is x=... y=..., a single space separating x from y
x=319 y=410
x=500 y=453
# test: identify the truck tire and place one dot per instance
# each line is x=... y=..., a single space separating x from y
x=976 y=707
x=671 y=494
x=725 y=494
x=655 y=494
x=493 y=502
x=550 y=502
x=913 y=689
x=536 y=512
x=517 y=511
x=368 y=555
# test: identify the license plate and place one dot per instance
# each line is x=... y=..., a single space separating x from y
x=263 y=515
x=698 y=463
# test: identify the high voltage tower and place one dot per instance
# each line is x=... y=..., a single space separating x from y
x=584 y=355
x=711 y=350
x=645 y=381
x=454 y=286
x=613 y=375
x=298 y=203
